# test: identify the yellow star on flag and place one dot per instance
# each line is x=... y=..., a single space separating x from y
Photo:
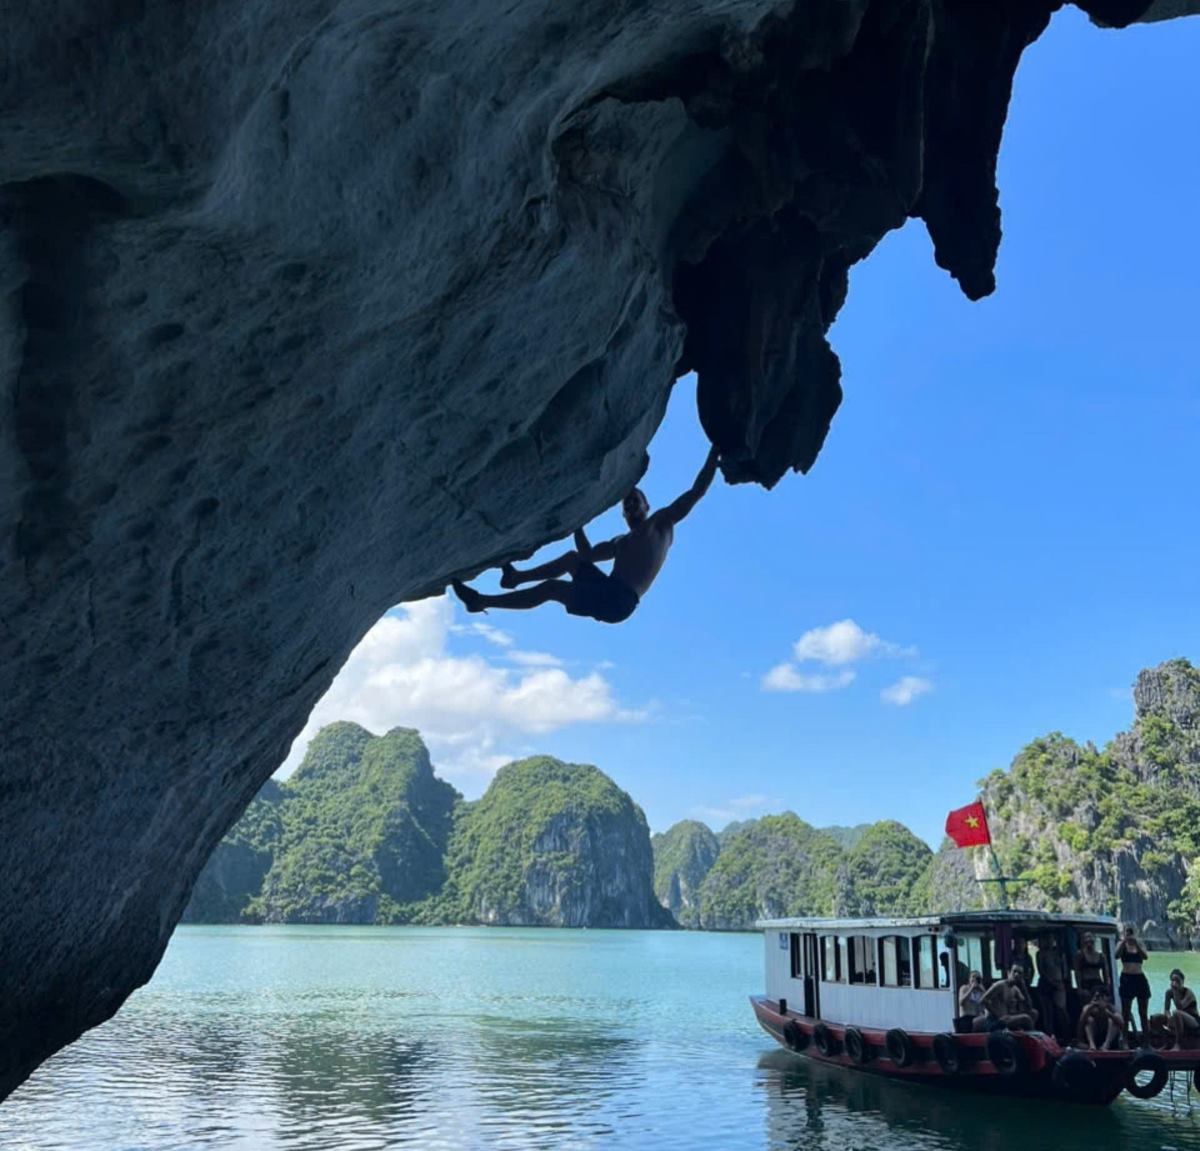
x=972 y=821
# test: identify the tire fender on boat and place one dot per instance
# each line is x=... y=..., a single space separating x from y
x=857 y=1047
x=900 y=1048
x=1004 y=1052
x=1146 y=1061
x=794 y=1035
x=1075 y=1074
x=824 y=1041
x=945 y=1052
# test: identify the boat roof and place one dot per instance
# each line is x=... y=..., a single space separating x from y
x=1032 y=919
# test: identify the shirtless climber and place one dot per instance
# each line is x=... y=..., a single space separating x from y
x=637 y=558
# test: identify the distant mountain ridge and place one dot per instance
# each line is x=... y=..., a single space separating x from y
x=781 y=866
x=365 y=832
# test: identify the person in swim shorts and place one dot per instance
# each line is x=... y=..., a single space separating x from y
x=637 y=557
x=1005 y=1005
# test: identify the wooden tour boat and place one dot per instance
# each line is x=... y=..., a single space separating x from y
x=881 y=995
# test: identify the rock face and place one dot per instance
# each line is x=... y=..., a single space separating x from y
x=769 y=867
x=781 y=866
x=1115 y=830
x=885 y=868
x=553 y=844
x=364 y=827
x=683 y=856
x=949 y=884
x=312 y=305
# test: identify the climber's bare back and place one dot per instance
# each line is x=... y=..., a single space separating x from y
x=640 y=554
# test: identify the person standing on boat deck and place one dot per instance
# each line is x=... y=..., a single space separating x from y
x=637 y=557
x=1184 y=1020
x=1091 y=972
x=1052 y=987
x=1022 y=959
x=1005 y=1005
x=1099 y=1016
x=1134 y=986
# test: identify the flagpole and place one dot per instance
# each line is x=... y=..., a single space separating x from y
x=1001 y=878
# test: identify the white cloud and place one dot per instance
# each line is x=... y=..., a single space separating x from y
x=740 y=807
x=492 y=634
x=835 y=646
x=905 y=690
x=844 y=642
x=534 y=659
x=474 y=716
x=786 y=677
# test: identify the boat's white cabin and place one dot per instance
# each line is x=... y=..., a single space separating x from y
x=906 y=972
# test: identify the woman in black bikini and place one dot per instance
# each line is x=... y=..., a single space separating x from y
x=1091 y=972
x=1134 y=985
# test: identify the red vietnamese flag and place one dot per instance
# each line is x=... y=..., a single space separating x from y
x=968 y=826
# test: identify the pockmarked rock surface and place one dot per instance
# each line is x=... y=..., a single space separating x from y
x=311 y=305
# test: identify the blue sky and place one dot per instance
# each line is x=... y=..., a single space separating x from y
x=1007 y=501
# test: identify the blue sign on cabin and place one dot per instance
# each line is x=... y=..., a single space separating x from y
x=783 y=941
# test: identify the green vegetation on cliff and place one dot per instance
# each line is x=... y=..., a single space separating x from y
x=364 y=832
x=364 y=828
x=775 y=866
x=781 y=866
x=1115 y=830
x=551 y=843
x=884 y=871
x=683 y=856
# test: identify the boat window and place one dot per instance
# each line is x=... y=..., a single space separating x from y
x=930 y=974
x=831 y=969
x=895 y=961
x=976 y=952
x=862 y=959
x=797 y=962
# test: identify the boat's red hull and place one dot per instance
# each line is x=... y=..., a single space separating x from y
x=1040 y=1055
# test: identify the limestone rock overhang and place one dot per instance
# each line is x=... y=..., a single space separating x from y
x=309 y=305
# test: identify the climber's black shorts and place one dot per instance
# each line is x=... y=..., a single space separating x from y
x=600 y=596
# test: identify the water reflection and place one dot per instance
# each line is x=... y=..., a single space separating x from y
x=551 y=1081
x=318 y=1071
x=329 y=1039
x=812 y=1107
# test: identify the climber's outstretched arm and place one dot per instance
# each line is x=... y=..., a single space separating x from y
x=684 y=504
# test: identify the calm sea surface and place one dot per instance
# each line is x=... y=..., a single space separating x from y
x=354 y=1038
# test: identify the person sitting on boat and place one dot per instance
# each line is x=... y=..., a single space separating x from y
x=1091 y=972
x=637 y=557
x=1006 y=1006
x=1098 y=1018
x=1181 y=1015
x=970 y=998
x=1052 y=987
x=1133 y=985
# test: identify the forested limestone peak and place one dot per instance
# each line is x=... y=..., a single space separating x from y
x=552 y=843
x=683 y=856
x=1113 y=829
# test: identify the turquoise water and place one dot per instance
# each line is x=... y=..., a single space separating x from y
x=349 y=1039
